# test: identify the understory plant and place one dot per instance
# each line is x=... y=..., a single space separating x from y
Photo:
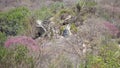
x=107 y=57
x=2 y=38
x=15 y=58
x=13 y=22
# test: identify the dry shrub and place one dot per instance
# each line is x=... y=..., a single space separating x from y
x=112 y=28
x=31 y=27
x=60 y=53
x=92 y=28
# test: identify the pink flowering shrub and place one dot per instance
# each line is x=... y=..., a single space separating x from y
x=112 y=28
x=27 y=41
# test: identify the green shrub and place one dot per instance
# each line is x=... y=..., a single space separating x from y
x=46 y=12
x=3 y=53
x=13 y=22
x=43 y=13
x=20 y=54
x=57 y=6
x=65 y=11
x=73 y=27
x=15 y=57
x=108 y=56
x=84 y=3
x=2 y=38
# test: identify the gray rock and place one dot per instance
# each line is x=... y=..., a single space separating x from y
x=66 y=31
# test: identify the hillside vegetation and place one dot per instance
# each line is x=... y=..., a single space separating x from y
x=60 y=34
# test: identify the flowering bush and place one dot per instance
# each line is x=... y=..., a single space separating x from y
x=112 y=28
x=28 y=41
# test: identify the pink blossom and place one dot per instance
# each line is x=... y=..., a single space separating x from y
x=27 y=41
x=112 y=28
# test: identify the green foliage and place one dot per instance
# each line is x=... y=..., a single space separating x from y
x=62 y=29
x=3 y=53
x=73 y=27
x=46 y=12
x=108 y=56
x=2 y=38
x=65 y=11
x=57 y=6
x=84 y=3
x=13 y=21
x=15 y=57
x=43 y=13
x=109 y=53
x=17 y=14
x=20 y=54
x=94 y=62
x=90 y=4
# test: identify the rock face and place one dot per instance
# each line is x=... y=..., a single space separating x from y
x=40 y=32
x=40 y=29
x=44 y=28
